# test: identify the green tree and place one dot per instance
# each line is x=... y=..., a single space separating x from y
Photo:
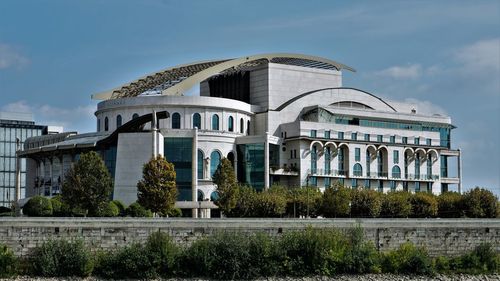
x=424 y=205
x=480 y=203
x=336 y=201
x=157 y=191
x=396 y=204
x=450 y=205
x=366 y=203
x=227 y=187
x=88 y=184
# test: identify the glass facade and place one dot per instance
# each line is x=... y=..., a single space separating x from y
x=10 y=130
x=251 y=164
x=178 y=151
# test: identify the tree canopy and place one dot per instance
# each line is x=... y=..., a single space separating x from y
x=88 y=184
x=227 y=186
x=157 y=190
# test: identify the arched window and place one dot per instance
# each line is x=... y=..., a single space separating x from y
x=328 y=159
x=118 y=121
x=215 y=122
x=396 y=172
x=106 y=124
x=200 y=164
x=248 y=127
x=230 y=124
x=429 y=166
x=242 y=125
x=134 y=116
x=357 y=170
x=214 y=196
x=368 y=163
x=380 y=163
x=230 y=157
x=176 y=121
x=214 y=162
x=197 y=121
x=98 y=125
x=417 y=166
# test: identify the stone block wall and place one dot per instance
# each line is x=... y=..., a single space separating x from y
x=439 y=236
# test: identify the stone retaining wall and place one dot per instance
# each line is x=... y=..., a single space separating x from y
x=439 y=236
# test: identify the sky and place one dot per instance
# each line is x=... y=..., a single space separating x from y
x=443 y=56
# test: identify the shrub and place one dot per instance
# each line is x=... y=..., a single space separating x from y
x=175 y=213
x=127 y=262
x=61 y=258
x=361 y=257
x=136 y=210
x=264 y=256
x=407 y=259
x=38 y=206
x=8 y=262
x=480 y=203
x=396 y=204
x=450 y=205
x=336 y=202
x=365 y=203
x=121 y=207
x=5 y=212
x=424 y=205
x=108 y=209
x=481 y=260
x=59 y=208
x=162 y=253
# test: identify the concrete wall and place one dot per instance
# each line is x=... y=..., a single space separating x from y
x=439 y=236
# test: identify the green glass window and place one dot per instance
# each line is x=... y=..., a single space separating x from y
x=215 y=122
x=357 y=154
x=393 y=139
x=417 y=141
x=176 y=121
x=200 y=164
x=405 y=140
x=215 y=158
x=395 y=156
x=313 y=133
x=367 y=137
x=178 y=151
x=197 y=120
x=314 y=160
x=118 y=121
x=250 y=164
x=327 y=134
x=340 y=135
x=429 y=142
x=380 y=138
x=357 y=170
x=328 y=182
x=328 y=159
x=230 y=124
x=354 y=136
x=396 y=172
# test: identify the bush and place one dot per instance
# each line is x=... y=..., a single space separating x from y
x=424 y=205
x=336 y=202
x=136 y=210
x=59 y=258
x=407 y=259
x=270 y=203
x=175 y=213
x=59 y=208
x=5 y=212
x=396 y=204
x=121 y=207
x=108 y=209
x=480 y=203
x=481 y=260
x=365 y=203
x=361 y=257
x=38 y=206
x=450 y=205
x=127 y=262
x=162 y=253
x=8 y=262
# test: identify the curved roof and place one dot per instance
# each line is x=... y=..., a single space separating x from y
x=178 y=79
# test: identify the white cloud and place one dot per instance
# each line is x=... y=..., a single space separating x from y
x=412 y=71
x=484 y=54
x=78 y=118
x=426 y=107
x=9 y=57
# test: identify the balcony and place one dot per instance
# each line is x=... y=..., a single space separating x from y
x=285 y=171
x=328 y=173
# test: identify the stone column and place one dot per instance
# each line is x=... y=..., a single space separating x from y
x=194 y=171
x=266 y=161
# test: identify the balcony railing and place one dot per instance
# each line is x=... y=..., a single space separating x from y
x=323 y=172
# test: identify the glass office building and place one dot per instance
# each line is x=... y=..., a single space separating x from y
x=13 y=127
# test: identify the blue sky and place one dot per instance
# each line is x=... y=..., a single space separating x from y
x=442 y=55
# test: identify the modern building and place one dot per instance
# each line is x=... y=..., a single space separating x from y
x=279 y=118
x=15 y=128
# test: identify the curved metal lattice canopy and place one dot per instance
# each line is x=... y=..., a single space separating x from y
x=178 y=79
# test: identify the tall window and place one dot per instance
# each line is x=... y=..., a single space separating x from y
x=367 y=137
x=340 y=135
x=429 y=142
x=341 y=157
x=176 y=121
x=393 y=139
x=200 y=164
x=357 y=154
x=328 y=158
x=215 y=122
x=354 y=136
x=214 y=162
x=106 y=124
x=417 y=166
x=393 y=185
x=405 y=140
x=328 y=182
x=417 y=141
x=242 y=124
x=230 y=124
x=417 y=186
x=396 y=172
x=429 y=166
x=407 y=160
x=380 y=163
x=134 y=116
x=248 y=128
x=380 y=138
x=357 y=170
x=395 y=156
x=368 y=160
x=98 y=124
x=313 y=133
x=197 y=120
x=327 y=134
x=314 y=160
x=118 y=121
